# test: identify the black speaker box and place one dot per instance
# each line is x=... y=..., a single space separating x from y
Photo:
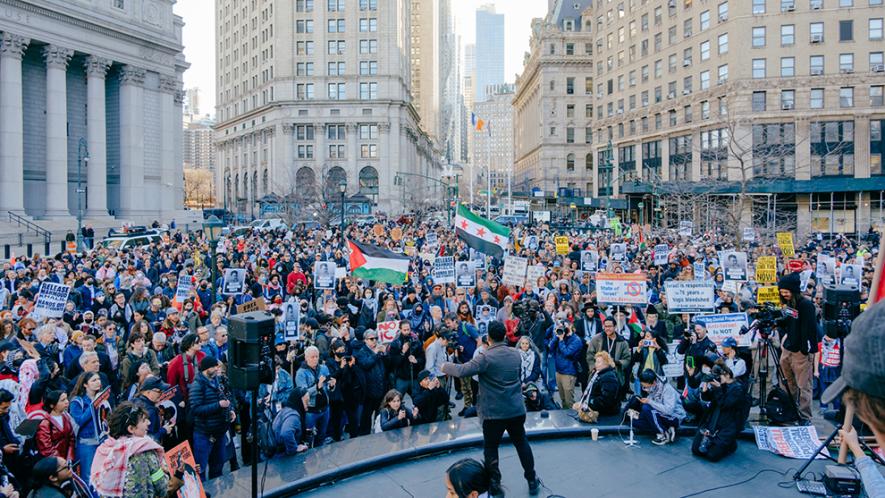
x=251 y=345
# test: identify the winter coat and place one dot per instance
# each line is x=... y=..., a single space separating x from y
x=208 y=415
x=565 y=353
x=602 y=392
x=620 y=352
x=372 y=365
x=399 y=362
x=389 y=420
x=288 y=428
x=731 y=401
x=53 y=440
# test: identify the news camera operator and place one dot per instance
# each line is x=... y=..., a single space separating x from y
x=798 y=343
x=724 y=417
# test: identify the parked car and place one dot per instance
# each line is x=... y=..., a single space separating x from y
x=365 y=220
x=268 y=225
x=511 y=220
x=134 y=237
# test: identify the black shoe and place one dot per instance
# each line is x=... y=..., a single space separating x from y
x=495 y=490
x=535 y=486
x=459 y=396
x=461 y=413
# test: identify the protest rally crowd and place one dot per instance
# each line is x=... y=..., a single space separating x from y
x=106 y=372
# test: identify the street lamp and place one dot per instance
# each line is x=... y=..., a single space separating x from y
x=212 y=230
x=82 y=157
x=342 y=187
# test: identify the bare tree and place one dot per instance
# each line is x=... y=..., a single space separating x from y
x=198 y=187
x=307 y=197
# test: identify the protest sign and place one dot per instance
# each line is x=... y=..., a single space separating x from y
x=662 y=254
x=291 y=319
x=849 y=276
x=766 y=270
x=234 y=282
x=514 y=270
x=51 y=300
x=689 y=296
x=432 y=239
x=732 y=286
x=253 y=305
x=533 y=273
x=727 y=325
x=734 y=265
x=768 y=294
x=443 y=270
x=324 y=275
x=785 y=242
x=749 y=234
x=621 y=288
x=699 y=272
x=561 y=245
x=102 y=406
x=181 y=459
x=618 y=252
x=185 y=286
x=465 y=275
x=826 y=269
x=675 y=361
x=685 y=228
x=799 y=442
x=589 y=261
x=387 y=331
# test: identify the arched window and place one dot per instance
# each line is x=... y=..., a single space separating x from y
x=305 y=183
x=570 y=162
x=588 y=162
x=369 y=181
x=335 y=177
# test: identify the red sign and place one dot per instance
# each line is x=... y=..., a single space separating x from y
x=795 y=265
x=387 y=331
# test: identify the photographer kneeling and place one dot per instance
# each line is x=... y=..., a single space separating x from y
x=724 y=419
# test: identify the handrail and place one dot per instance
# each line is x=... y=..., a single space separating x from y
x=20 y=220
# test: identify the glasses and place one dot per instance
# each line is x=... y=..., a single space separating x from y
x=371 y=338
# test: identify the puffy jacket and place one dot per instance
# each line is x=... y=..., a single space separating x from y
x=155 y=430
x=664 y=398
x=373 y=367
x=203 y=400
x=602 y=393
x=288 y=427
x=565 y=353
x=399 y=362
x=390 y=421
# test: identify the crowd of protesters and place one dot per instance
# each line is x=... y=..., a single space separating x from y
x=164 y=359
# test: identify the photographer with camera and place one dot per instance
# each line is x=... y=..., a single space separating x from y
x=799 y=343
x=725 y=416
x=565 y=348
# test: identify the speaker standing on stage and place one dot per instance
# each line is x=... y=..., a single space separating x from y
x=499 y=405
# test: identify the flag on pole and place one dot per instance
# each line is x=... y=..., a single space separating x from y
x=375 y=263
x=877 y=290
x=481 y=234
x=480 y=124
x=473 y=119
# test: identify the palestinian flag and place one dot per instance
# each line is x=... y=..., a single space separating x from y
x=480 y=234
x=374 y=263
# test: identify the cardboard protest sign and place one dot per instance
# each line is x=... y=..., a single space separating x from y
x=699 y=272
x=432 y=239
x=726 y=325
x=443 y=271
x=533 y=273
x=768 y=294
x=662 y=254
x=785 y=242
x=561 y=245
x=799 y=442
x=181 y=458
x=589 y=261
x=766 y=270
x=102 y=406
x=234 y=282
x=51 y=300
x=387 y=331
x=689 y=296
x=621 y=288
x=291 y=320
x=514 y=270
x=618 y=252
x=465 y=275
x=253 y=305
x=324 y=275
x=732 y=286
x=185 y=286
x=734 y=265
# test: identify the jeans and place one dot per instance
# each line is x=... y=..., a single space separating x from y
x=548 y=371
x=492 y=432
x=319 y=422
x=85 y=453
x=651 y=420
x=209 y=453
x=353 y=412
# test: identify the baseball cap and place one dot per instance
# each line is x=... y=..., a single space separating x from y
x=152 y=383
x=423 y=374
x=729 y=342
x=863 y=363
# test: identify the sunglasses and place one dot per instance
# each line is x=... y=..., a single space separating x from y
x=371 y=339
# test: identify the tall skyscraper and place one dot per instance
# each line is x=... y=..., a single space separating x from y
x=425 y=69
x=489 y=50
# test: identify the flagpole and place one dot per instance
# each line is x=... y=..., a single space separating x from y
x=489 y=175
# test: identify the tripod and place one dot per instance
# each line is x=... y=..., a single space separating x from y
x=764 y=351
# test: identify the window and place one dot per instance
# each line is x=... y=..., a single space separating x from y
x=671 y=63
x=877 y=62
x=368 y=46
x=788 y=67
x=816 y=4
x=846 y=3
x=304 y=69
x=705 y=80
x=570 y=86
x=570 y=111
x=304 y=26
x=368 y=68
x=846 y=30
x=305 y=152
x=680 y=158
x=588 y=85
x=304 y=132
x=832 y=148
x=119 y=4
x=570 y=162
x=723 y=11
x=304 y=91
x=304 y=6
x=876 y=95
x=816 y=98
x=877 y=146
x=672 y=117
x=788 y=35
x=705 y=50
x=369 y=132
x=335 y=5
x=723 y=43
x=758 y=36
x=569 y=135
x=686 y=57
x=816 y=32
x=368 y=25
x=774 y=150
x=714 y=154
x=569 y=49
x=758 y=68
x=627 y=159
x=336 y=132
x=336 y=69
x=651 y=160
x=335 y=26
x=758 y=7
x=304 y=48
x=686 y=111
x=759 y=101
x=846 y=63
x=816 y=64
x=659 y=67
x=788 y=5
x=875 y=29
x=335 y=47
x=788 y=99
x=686 y=28
x=705 y=20
x=846 y=96
x=368 y=151
x=336 y=91
x=723 y=73
x=705 y=109
x=368 y=91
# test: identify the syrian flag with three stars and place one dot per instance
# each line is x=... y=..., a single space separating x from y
x=480 y=234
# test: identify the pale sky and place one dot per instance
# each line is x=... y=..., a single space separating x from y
x=199 y=37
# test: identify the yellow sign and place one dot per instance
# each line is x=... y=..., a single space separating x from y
x=561 y=245
x=768 y=294
x=766 y=270
x=785 y=242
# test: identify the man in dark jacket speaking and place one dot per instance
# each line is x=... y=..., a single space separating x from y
x=213 y=413
x=499 y=405
x=799 y=341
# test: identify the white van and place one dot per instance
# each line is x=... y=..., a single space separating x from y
x=268 y=225
x=131 y=239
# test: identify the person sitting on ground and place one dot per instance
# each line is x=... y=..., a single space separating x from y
x=601 y=395
x=288 y=425
x=467 y=478
x=725 y=417
x=659 y=410
x=392 y=414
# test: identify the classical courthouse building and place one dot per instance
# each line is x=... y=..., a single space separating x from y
x=96 y=79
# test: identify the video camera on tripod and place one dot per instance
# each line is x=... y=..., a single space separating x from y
x=766 y=320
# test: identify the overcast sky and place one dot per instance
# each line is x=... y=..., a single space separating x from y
x=199 y=37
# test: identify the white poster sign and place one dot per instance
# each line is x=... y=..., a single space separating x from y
x=324 y=275
x=465 y=275
x=51 y=300
x=443 y=270
x=621 y=288
x=292 y=314
x=387 y=331
x=533 y=273
x=514 y=270
x=234 y=282
x=728 y=325
x=689 y=296
x=185 y=285
x=662 y=254
x=734 y=265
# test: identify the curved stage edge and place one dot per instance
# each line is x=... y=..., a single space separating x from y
x=288 y=476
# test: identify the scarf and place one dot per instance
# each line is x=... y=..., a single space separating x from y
x=112 y=460
x=527 y=362
x=184 y=365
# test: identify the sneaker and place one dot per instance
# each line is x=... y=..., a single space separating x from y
x=495 y=490
x=661 y=439
x=534 y=486
x=671 y=434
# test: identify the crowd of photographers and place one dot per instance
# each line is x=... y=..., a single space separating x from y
x=163 y=358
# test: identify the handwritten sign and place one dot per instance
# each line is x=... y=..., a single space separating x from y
x=387 y=331
x=766 y=270
x=514 y=270
x=689 y=296
x=785 y=242
x=533 y=273
x=621 y=288
x=253 y=305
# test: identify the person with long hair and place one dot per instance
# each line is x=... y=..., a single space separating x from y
x=392 y=414
x=55 y=434
x=467 y=478
x=530 y=356
x=87 y=417
x=129 y=462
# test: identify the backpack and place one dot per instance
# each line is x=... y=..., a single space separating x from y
x=267 y=439
x=780 y=407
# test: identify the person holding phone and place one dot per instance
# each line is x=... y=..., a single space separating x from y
x=651 y=353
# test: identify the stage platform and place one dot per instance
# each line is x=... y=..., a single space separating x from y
x=411 y=462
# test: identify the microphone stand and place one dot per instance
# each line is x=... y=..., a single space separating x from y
x=632 y=442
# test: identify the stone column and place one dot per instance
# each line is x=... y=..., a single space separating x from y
x=353 y=154
x=131 y=141
x=169 y=87
x=177 y=166
x=12 y=155
x=57 y=59
x=96 y=133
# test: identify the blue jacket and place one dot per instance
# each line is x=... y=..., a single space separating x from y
x=308 y=379
x=203 y=400
x=565 y=353
x=373 y=368
x=287 y=426
x=83 y=412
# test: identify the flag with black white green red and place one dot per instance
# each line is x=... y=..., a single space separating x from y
x=482 y=235
x=378 y=264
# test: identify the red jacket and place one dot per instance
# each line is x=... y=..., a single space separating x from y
x=175 y=372
x=53 y=440
x=292 y=279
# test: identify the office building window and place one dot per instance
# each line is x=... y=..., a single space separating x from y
x=788 y=35
x=305 y=152
x=723 y=43
x=846 y=30
x=336 y=132
x=705 y=109
x=304 y=132
x=774 y=150
x=335 y=26
x=304 y=26
x=876 y=95
x=336 y=69
x=877 y=62
x=846 y=63
x=369 y=132
x=723 y=11
x=368 y=4
x=816 y=98
x=832 y=148
x=335 y=47
x=369 y=25
x=759 y=103
x=723 y=73
x=368 y=68
x=788 y=99
x=651 y=160
x=705 y=50
x=816 y=32
x=368 y=46
x=705 y=80
x=680 y=158
x=816 y=64
x=877 y=146
x=876 y=29
x=605 y=169
x=368 y=91
x=705 y=20
x=758 y=36
x=714 y=154
x=846 y=96
x=336 y=91
x=627 y=161
x=303 y=5
x=368 y=151
x=569 y=135
x=337 y=152
x=304 y=91
x=758 y=7
x=335 y=5
x=788 y=67
x=758 y=68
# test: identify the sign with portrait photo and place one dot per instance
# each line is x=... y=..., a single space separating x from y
x=589 y=261
x=734 y=265
x=292 y=318
x=850 y=275
x=324 y=275
x=465 y=276
x=826 y=269
x=618 y=252
x=234 y=282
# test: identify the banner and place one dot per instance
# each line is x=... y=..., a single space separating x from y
x=51 y=300
x=234 y=282
x=387 y=331
x=785 y=242
x=768 y=294
x=766 y=270
x=514 y=270
x=443 y=271
x=291 y=320
x=621 y=288
x=324 y=275
x=662 y=254
x=685 y=228
x=749 y=234
x=533 y=273
x=734 y=265
x=589 y=261
x=465 y=275
x=728 y=325
x=561 y=245
x=181 y=459
x=689 y=296
x=250 y=306
x=792 y=442
x=185 y=286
